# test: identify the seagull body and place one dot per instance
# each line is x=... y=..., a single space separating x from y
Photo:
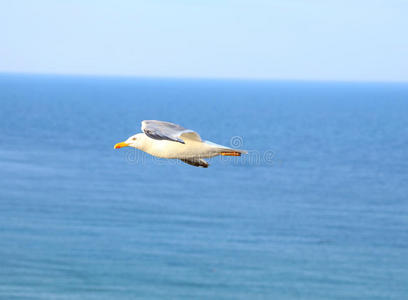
x=169 y=140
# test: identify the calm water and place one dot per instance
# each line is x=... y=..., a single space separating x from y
x=317 y=210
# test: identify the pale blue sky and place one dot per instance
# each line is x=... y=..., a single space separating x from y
x=281 y=39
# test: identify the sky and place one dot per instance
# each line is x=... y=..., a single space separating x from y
x=343 y=40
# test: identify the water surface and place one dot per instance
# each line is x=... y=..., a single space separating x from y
x=317 y=210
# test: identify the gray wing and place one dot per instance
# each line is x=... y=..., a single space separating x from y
x=160 y=130
x=196 y=162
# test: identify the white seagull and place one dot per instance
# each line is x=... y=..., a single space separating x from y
x=169 y=140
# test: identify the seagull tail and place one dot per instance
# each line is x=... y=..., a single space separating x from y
x=227 y=151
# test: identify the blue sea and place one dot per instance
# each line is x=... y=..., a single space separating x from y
x=318 y=209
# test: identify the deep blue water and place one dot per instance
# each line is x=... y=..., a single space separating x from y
x=317 y=210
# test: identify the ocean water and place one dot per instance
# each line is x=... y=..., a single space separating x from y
x=318 y=209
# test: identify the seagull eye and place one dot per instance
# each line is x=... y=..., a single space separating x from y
x=134 y=139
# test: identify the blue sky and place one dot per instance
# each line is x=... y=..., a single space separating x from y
x=283 y=39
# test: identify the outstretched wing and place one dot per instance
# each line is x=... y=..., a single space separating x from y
x=160 y=130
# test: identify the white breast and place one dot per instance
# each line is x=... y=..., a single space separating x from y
x=170 y=149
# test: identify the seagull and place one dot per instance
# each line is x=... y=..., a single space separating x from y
x=168 y=140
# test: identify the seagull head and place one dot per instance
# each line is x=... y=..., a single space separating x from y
x=134 y=141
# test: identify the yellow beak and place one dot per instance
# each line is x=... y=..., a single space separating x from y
x=120 y=145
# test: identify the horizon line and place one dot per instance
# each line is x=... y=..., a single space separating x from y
x=215 y=78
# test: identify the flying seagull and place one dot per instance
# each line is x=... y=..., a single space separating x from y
x=169 y=140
